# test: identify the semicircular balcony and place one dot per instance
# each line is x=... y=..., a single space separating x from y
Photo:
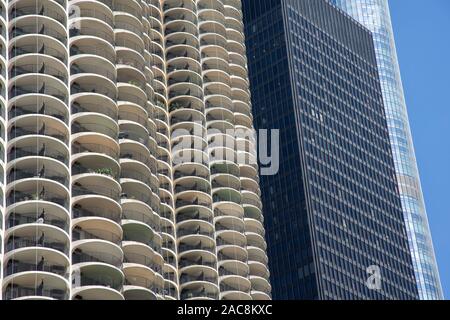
x=200 y=290
x=36 y=46
x=190 y=279
x=170 y=290
x=142 y=282
x=31 y=236
x=37 y=261
x=29 y=66
x=39 y=107
x=37 y=85
x=139 y=233
x=261 y=288
x=36 y=191
x=87 y=144
x=38 y=26
x=28 y=126
x=257 y=255
x=97 y=282
x=35 y=286
x=37 y=169
x=179 y=16
x=234 y=287
x=230 y=253
x=212 y=20
x=92 y=47
x=96 y=252
x=133 y=192
x=38 y=146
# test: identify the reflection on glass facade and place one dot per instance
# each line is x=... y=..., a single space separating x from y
x=374 y=14
x=333 y=210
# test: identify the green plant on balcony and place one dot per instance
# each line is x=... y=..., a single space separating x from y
x=105 y=171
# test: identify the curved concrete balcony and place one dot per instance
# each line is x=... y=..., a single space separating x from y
x=192 y=278
x=233 y=286
x=141 y=214
x=44 y=86
x=132 y=193
x=52 y=9
x=141 y=283
x=91 y=207
x=38 y=146
x=96 y=253
x=257 y=255
x=94 y=124
x=94 y=105
x=129 y=43
x=132 y=8
x=239 y=62
x=170 y=291
x=132 y=81
x=92 y=28
x=95 y=185
x=235 y=35
x=26 y=65
x=234 y=20
x=139 y=232
x=232 y=253
x=36 y=25
x=181 y=39
x=176 y=14
x=183 y=94
x=40 y=261
x=168 y=249
x=91 y=167
x=28 y=214
x=37 y=46
x=92 y=10
x=212 y=20
x=220 y=126
x=261 y=288
x=36 y=191
x=39 y=107
x=92 y=144
x=29 y=125
x=183 y=63
x=35 y=286
x=256 y=240
x=37 y=169
x=241 y=96
x=128 y=21
x=93 y=85
x=131 y=133
x=198 y=229
x=31 y=236
x=215 y=76
x=233 y=267
x=90 y=65
x=97 y=282
x=192 y=185
x=199 y=291
x=91 y=46
x=215 y=54
x=227 y=195
x=186 y=118
x=139 y=254
x=235 y=47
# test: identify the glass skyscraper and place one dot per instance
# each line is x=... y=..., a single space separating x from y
x=333 y=214
x=375 y=15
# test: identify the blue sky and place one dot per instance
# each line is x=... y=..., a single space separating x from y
x=422 y=30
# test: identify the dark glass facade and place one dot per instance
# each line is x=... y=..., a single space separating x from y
x=333 y=210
